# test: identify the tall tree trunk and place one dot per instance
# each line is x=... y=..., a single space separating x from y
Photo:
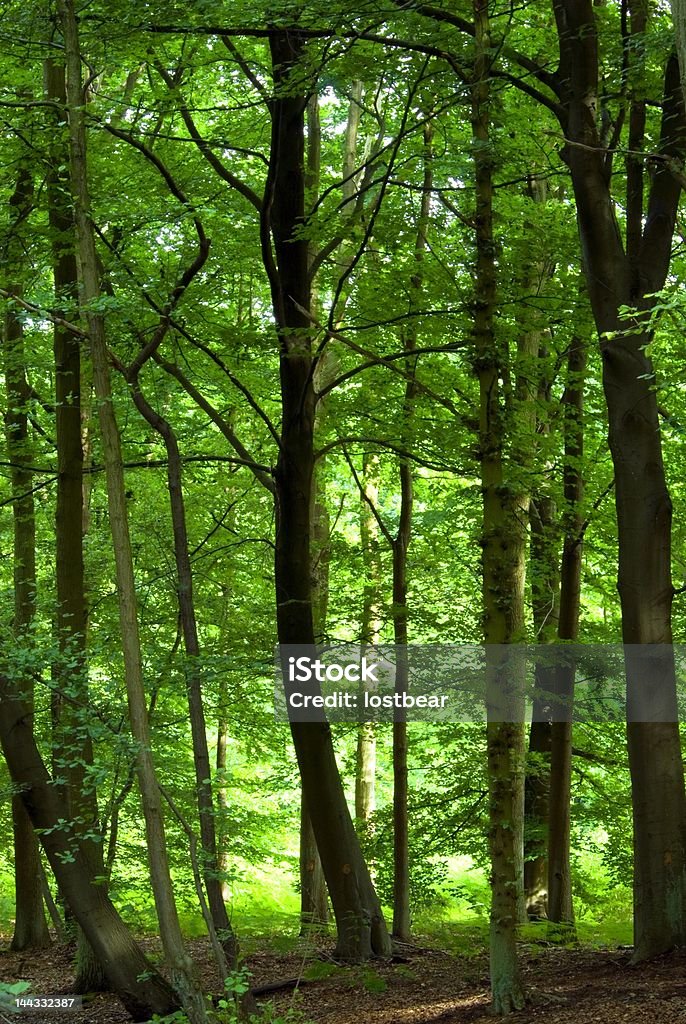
x=560 y=910
x=180 y=965
x=30 y=927
x=545 y=585
x=71 y=616
x=401 y=543
x=503 y=539
x=628 y=278
x=314 y=902
x=544 y=576
x=361 y=927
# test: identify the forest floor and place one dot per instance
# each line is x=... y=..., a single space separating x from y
x=429 y=986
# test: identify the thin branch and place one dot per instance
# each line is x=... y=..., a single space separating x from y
x=44 y=313
x=365 y=497
x=383 y=360
x=204 y=147
x=261 y=473
x=245 y=68
x=440 y=399
x=390 y=446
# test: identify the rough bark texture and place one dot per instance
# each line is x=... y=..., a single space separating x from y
x=619 y=276
x=361 y=927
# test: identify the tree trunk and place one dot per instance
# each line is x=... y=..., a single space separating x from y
x=401 y=543
x=370 y=629
x=180 y=965
x=30 y=927
x=314 y=903
x=560 y=909
x=196 y=711
x=618 y=278
x=544 y=600
x=71 y=616
x=361 y=928
x=503 y=540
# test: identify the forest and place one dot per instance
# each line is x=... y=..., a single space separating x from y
x=349 y=330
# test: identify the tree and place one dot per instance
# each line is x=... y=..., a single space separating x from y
x=30 y=930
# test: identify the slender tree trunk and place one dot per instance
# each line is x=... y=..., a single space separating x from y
x=314 y=904
x=401 y=543
x=189 y=628
x=30 y=927
x=180 y=965
x=223 y=861
x=560 y=909
x=365 y=759
x=545 y=585
x=361 y=927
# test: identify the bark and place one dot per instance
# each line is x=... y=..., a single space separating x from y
x=560 y=909
x=361 y=928
x=30 y=927
x=401 y=543
x=502 y=565
x=617 y=277
x=314 y=904
x=69 y=727
x=545 y=587
x=180 y=965
x=142 y=990
x=544 y=599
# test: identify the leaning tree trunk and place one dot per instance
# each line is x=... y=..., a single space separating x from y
x=361 y=927
x=628 y=278
x=30 y=927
